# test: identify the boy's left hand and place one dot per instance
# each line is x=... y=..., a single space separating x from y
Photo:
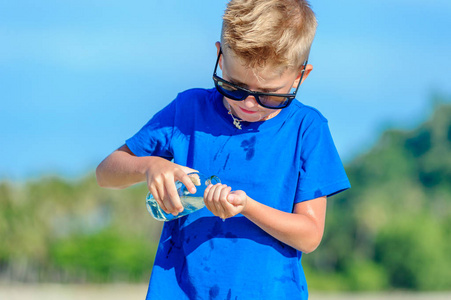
x=224 y=203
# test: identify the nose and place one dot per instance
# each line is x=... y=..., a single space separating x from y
x=250 y=101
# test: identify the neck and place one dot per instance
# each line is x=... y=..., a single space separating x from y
x=236 y=121
x=270 y=116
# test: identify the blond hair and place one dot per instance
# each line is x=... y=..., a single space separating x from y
x=269 y=32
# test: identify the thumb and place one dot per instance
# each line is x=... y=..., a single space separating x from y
x=234 y=198
x=231 y=198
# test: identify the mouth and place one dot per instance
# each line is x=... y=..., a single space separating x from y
x=247 y=111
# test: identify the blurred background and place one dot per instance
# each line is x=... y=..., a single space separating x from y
x=77 y=78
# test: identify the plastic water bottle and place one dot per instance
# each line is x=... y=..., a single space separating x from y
x=190 y=202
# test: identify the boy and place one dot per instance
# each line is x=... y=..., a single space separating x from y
x=275 y=158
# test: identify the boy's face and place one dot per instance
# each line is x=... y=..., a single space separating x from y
x=264 y=79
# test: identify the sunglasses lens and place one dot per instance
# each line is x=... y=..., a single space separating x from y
x=230 y=91
x=273 y=101
x=235 y=93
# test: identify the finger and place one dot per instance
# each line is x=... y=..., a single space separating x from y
x=172 y=199
x=187 y=170
x=232 y=199
x=207 y=190
x=155 y=188
x=160 y=191
x=237 y=198
x=186 y=180
x=223 y=201
x=157 y=198
x=208 y=194
x=223 y=197
x=211 y=200
x=158 y=185
x=217 y=197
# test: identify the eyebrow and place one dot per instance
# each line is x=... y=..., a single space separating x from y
x=263 y=90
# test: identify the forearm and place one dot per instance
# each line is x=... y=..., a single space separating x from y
x=121 y=169
x=302 y=230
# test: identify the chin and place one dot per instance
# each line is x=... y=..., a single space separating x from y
x=255 y=118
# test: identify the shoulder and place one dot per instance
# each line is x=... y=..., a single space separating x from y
x=193 y=99
x=185 y=104
x=306 y=116
x=195 y=94
x=193 y=105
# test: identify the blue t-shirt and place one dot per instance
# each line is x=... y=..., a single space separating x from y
x=279 y=162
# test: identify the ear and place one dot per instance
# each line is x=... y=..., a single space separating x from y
x=307 y=70
x=218 y=48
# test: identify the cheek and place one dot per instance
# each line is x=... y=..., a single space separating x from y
x=267 y=112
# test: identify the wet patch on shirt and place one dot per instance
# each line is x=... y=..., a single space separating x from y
x=208 y=229
x=284 y=279
x=318 y=193
x=282 y=245
x=225 y=163
x=217 y=229
x=170 y=248
x=249 y=147
x=214 y=292
x=222 y=148
x=182 y=279
x=231 y=236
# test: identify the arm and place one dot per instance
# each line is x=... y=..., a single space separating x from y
x=122 y=169
x=303 y=229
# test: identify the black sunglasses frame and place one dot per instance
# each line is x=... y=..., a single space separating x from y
x=247 y=93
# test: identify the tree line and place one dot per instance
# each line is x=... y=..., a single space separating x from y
x=391 y=230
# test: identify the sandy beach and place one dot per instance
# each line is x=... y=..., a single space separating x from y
x=138 y=291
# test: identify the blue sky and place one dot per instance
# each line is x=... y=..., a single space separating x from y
x=78 y=77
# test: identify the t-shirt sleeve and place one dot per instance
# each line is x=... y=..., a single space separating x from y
x=154 y=138
x=322 y=172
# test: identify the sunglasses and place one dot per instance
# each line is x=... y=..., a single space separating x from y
x=267 y=100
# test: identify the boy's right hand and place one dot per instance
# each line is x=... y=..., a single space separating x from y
x=161 y=176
